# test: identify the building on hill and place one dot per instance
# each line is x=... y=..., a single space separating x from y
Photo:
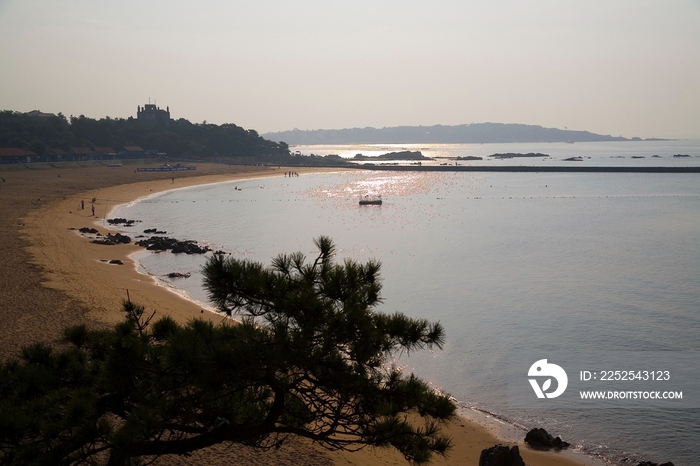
x=151 y=114
x=39 y=114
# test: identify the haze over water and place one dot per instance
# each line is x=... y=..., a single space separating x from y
x=507 y=262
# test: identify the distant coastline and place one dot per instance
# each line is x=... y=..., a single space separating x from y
x=468 y=133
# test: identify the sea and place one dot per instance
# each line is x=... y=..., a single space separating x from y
x=535 y=265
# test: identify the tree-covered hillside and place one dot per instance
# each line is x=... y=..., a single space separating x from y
x=178 y=138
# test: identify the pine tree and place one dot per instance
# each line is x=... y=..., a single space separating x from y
x=309 y=357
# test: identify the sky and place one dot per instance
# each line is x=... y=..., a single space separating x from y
x=618 y=67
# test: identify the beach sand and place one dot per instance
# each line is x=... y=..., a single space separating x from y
x=52 y=277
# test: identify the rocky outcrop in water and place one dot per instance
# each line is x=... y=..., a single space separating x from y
x=649 y=463
x=540 y=439
x=121 y=221
x=403 y=155
x=112 y=239
x=501 y=455
x=163 y=243
x=179 y=275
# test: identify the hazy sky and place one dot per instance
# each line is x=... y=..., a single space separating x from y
x=620 y=67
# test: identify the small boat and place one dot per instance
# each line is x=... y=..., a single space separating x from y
x=371 y=200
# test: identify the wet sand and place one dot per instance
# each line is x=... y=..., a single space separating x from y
x=52 y=277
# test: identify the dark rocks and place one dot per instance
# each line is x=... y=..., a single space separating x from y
x=681 y=155
x=92 y=231
x=112 y=239
x=120 y=221
x=540 y=439
x=189 y=247
x=649 y=463
x=154 y=231
x=573 y=159
x=163 y=243
x=501 y=455
x=403 y=155
x=112 y=261
x=470 y=157
x=179 y=275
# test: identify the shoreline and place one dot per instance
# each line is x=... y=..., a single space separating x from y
x=76 y=267
x=71 y=265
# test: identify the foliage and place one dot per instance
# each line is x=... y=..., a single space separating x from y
x=309 y=359
x=178 y=138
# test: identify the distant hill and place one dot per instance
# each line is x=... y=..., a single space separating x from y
x=472 y=133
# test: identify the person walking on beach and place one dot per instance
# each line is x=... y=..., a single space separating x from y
x=82 y=204
x=93 y=210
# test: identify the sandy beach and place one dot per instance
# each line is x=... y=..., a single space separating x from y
x=52 y=277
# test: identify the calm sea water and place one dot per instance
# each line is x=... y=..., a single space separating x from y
x=507 y=262
x=623 y=153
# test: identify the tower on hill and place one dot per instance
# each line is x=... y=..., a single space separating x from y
x=151 y=114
